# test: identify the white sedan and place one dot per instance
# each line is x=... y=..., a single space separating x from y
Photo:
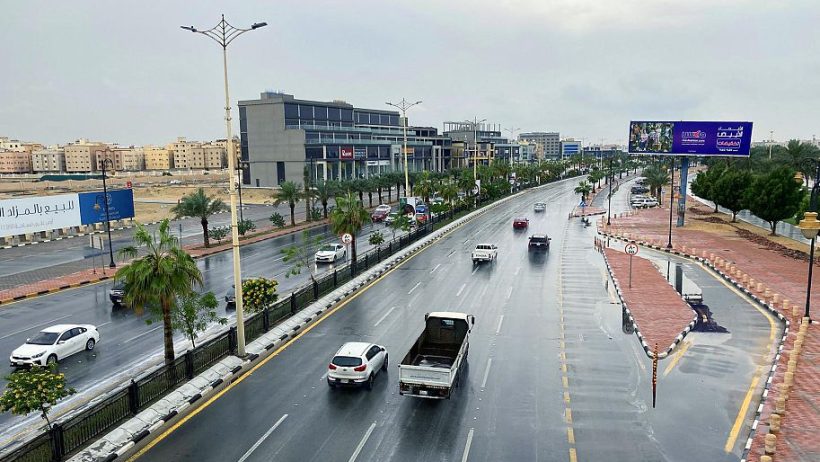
x=330 y=253
x=55 y=343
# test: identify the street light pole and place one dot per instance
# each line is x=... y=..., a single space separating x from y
x=475 y=123
x=671 y=200
x=609 y=199
x=223 y=33
x=403 y=106
x=809 y=226
x=107 y=216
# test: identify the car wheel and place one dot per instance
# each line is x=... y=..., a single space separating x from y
x=52 y=359
x=331 y=385
x=384 y=364
x=89 y=345
x=369 y=383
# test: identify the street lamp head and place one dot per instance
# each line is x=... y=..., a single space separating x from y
x=190 y=28
x=258 y=25
x=798 y=177
x=809 y=225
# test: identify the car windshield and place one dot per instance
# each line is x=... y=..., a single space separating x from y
x=44 y=338
x=538 y=238
x=327 y=248
x=347 y=361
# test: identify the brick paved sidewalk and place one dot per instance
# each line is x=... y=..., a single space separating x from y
x=661 y=316
x=85 y=277
x=776 y=276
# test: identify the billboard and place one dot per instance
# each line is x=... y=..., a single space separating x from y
x=690 y=138
x=42 y=213
x=92 y=206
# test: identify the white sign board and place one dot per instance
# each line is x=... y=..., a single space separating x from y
x=347 y=238
x=33 y=214
x=631 y=249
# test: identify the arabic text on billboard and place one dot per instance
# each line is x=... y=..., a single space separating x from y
x=692 y=138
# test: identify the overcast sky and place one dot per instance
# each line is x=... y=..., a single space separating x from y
x=125 y=72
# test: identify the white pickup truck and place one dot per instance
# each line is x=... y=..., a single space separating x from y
x=432 y=367
x=485 y=252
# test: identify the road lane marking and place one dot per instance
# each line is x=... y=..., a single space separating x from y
x=385 y=316
x=434 y=269
x=475 y=269
x=467 y=446
x=500 y=320
x=676 y=358
x=487 y=372
x=241 y=378
x=414 y=288
x=34 y=327
x=572 y=456
x=261 y=440
x=461 y=289
x=103 y=324
x=741 y=413
x=570 y=435
x=468 y=240
x=144 y=333
x=361 y=443
x=509 y=293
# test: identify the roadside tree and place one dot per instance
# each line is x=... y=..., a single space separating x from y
x=324 y=191
x=289 y=193
x=219 y=233
x=584 y=189
x=200 y=205
x=349 y=216
x=774 y=196
x=729 y=191
x=300 y=255
x=376 y=238
x=277 y=220
x=34 y=390
x=401 y=223
x=258 y=294
x=704 y=183
x=159 y=277
x=193 y=313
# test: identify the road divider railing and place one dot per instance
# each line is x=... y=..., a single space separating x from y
x=81 y=427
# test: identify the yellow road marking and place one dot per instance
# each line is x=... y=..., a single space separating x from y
x=565 y=381
x=566 y=397
x=564 y=368
x=236 y=382
x=741 y=414
x=569 y=416
x=570 y=435
x=676 y=358
x=572 y=456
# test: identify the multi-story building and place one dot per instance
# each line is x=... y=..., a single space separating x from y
x=182 y=152
x=48 y=160
x=464 y=136
x=81 y=156
x=280 y=135
x=570 y=147
x=548 y=144
x=157 y=158
x=10 y=145
x=121 y=159
x=214 y=157
x=15 y=162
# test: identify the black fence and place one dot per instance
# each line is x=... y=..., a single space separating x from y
x=69 y=436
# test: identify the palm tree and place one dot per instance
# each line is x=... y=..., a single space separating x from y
x=796 y=153
x=324 y=191
x=198 y=204
x=349 y=216
x=369 y=185
x=308 y=194
x=449 y=192
x=158 y=278
x=656 y=178
x=466 y=182
x=424 y=186
x=288 y=192
x=583 y=188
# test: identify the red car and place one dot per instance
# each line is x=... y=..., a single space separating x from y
x=380 y=213
x=521 y=223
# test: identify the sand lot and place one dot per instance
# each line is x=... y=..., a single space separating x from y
x=157 y=189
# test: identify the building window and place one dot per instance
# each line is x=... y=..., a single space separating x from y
x=280 y=172
x=334 y=114
x=291 y=111
x=320 y=113
x=347 y=115
x=305 y=112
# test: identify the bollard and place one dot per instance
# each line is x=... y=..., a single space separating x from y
x=788 y=378
x=745 y=279
x=795 y=311
x=805 y=323
x=705 y=255
x=693 y=251
x=775 y=298
x=712 y=257
x=770 y=443
x=780 y=405
x=792 y=364
x=786 y=303
x=765 y=459
x=760 y=287
x=767 y=293
x=774 y=424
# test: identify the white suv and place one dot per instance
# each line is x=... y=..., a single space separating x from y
x=356 y=363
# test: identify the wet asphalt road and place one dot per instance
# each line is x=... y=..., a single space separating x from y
x=513 y=404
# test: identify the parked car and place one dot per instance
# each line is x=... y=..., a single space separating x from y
x=421 y=218
x=521 y=223
x=380 y=213
x=117 y=293
x=539 y=242
x=422 y=208
x=485 y=252
x=55 y=343
x=330 y=253
x=539 y=207
x=356 y=364
x=437 y=200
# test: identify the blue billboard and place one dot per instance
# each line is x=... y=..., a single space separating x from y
x=92 y=206
x=690 y=138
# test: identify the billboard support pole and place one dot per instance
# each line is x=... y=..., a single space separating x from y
x=671 y=201
x=105 y=161
x=684 y=174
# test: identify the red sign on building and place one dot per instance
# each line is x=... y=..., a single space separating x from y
x=346 y=152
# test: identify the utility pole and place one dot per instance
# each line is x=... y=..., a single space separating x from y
x=403 y=106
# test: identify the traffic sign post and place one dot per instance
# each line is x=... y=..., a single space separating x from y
x=654 y=376
x=631 y=249
x=346 y=240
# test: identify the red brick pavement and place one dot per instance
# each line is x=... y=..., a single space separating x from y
x=91 y=276
x=659 y=311
x=773 y=277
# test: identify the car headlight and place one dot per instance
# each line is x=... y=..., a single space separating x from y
x=38 y=354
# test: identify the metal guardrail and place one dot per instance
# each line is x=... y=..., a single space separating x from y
x=67 y=437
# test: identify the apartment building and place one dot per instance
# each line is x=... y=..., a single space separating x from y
x=48 y=160
x=157 y=158
x=82 y=156
x=15 y=162
x=122 y=159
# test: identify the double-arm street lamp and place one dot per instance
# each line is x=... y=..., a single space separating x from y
x=403 y=106
x=104 y=165
x=223 y=33
x=809 y=226
x=475 y=123
x=609 y=197
x=671 y=200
